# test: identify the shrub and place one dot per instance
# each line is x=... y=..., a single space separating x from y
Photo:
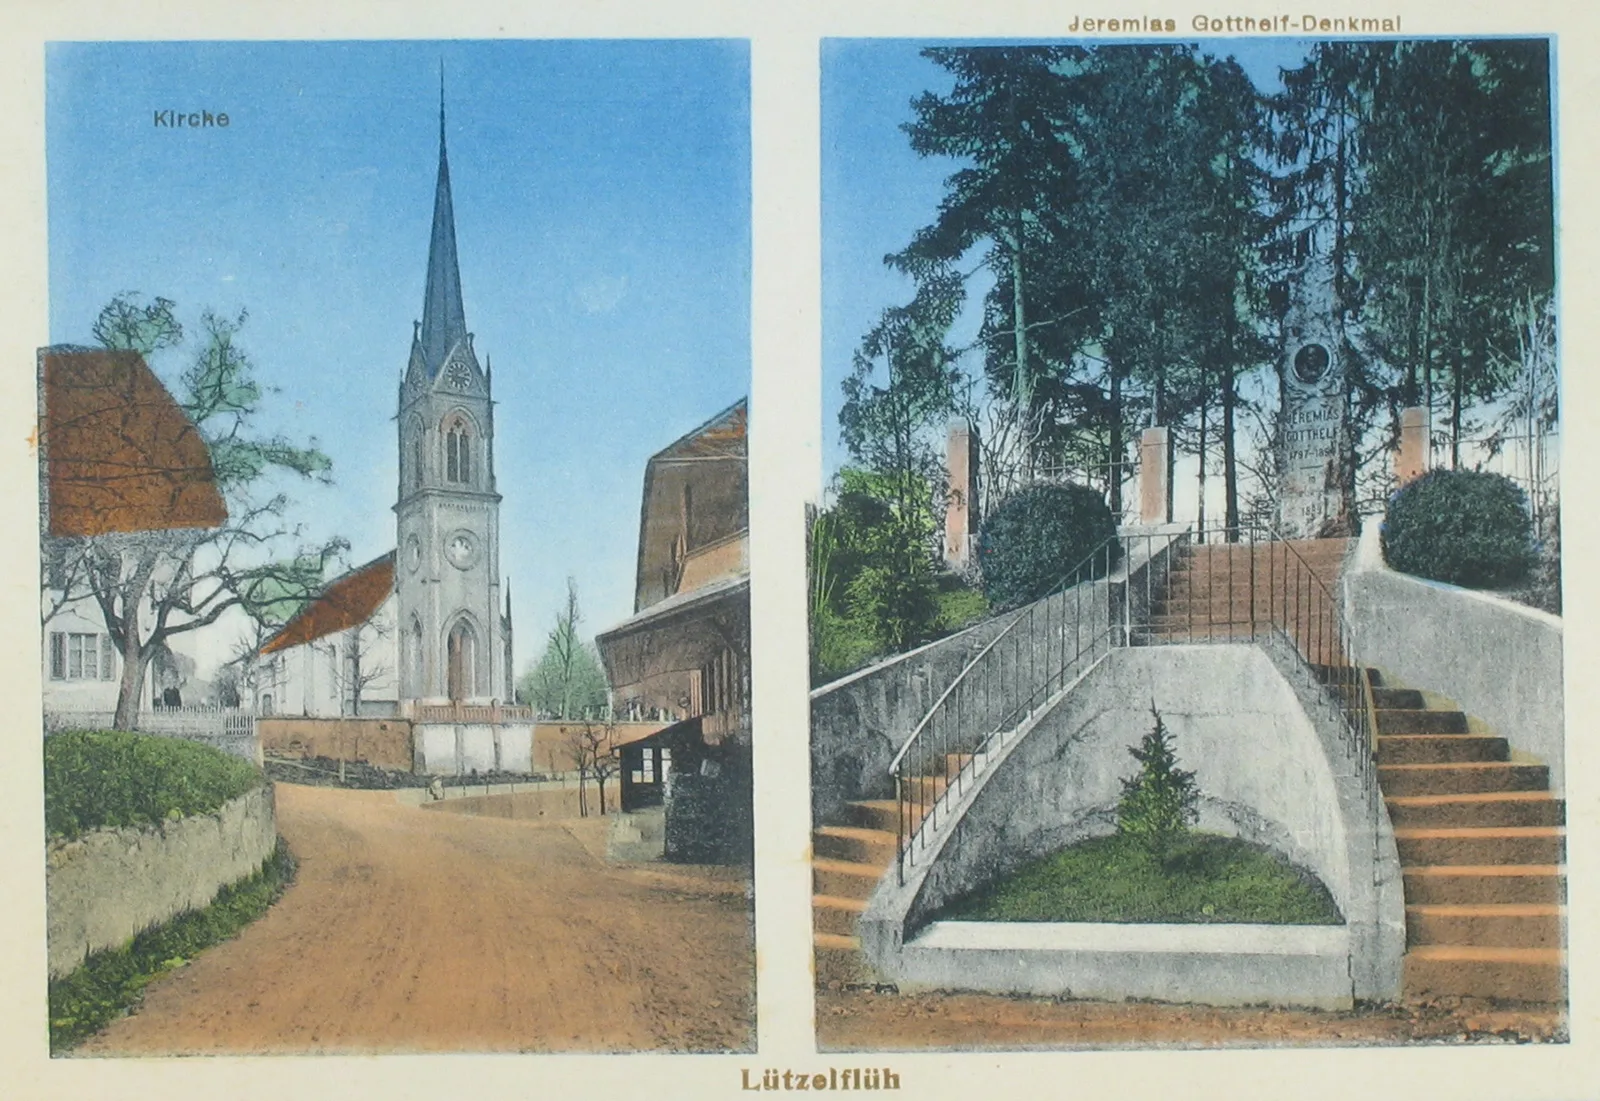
x=1459 y=526
x=1031 y=542
x=95 y=779
x=1161 y=801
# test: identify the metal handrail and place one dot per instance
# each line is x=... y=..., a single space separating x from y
x=1047 y=643
x=991 y=696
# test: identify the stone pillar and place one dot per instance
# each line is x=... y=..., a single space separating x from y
x=1411 y=461
x=961 y=460
x=1153 y=476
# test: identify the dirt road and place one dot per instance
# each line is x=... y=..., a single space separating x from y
x=860 y=1020
x=413 y=931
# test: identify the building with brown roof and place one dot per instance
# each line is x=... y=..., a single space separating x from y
x=119 y=458
x=336 y=657
x=685 y=652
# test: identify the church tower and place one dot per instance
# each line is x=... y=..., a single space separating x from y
x=453 y=643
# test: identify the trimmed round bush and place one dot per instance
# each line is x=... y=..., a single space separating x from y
x=1038 y=536
x=1464 y=527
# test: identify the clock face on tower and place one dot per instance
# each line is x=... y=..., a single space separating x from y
x=461 y=549
x=459 y=376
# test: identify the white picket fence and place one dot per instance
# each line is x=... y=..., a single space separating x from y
x=229 y=729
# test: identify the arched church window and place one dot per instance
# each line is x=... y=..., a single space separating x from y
x=416 y=461
x=458 y=452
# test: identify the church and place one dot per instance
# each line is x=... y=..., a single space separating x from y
x=422 y=632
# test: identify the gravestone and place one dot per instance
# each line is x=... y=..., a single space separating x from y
x=1312 y=436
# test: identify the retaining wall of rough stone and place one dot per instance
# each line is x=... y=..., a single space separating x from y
x=103 y=888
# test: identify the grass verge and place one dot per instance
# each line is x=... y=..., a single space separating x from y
x=110 y=983
x=1208 y=878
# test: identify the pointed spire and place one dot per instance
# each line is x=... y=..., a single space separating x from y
x=443 y=318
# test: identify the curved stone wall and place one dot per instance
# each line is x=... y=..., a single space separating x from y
x=1267 y=770
x=103 y=888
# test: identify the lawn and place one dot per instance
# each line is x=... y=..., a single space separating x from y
x=1209 y=878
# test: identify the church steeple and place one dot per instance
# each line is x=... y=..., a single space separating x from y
x=444 y=320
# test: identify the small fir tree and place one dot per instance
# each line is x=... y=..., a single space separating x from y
x=1161 y=801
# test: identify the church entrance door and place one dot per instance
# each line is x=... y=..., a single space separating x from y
x=459 y=653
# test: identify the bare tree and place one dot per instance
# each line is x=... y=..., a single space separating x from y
x=359 y=662
x=567 y=682
x=592 y=746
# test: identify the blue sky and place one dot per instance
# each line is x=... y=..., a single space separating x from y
x=602 y=200
x=876 y=192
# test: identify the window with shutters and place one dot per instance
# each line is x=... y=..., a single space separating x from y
x=76 y=655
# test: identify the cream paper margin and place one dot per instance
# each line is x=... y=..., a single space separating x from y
x=785 y=455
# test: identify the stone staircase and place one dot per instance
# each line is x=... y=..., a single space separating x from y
x=848 y=860
x=1482 y=844
x=1218 y=592
x=1481 y=838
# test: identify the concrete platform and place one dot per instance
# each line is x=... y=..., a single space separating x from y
x=1287 y=965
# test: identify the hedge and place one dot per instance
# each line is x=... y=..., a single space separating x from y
x=106 y=779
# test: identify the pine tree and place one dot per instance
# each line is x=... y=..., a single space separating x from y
x=1161 y=801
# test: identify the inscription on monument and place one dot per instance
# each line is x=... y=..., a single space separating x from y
x=1310 y=501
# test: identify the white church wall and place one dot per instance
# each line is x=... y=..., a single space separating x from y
x=315 y=679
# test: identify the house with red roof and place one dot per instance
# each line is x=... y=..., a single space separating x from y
x=119 y=460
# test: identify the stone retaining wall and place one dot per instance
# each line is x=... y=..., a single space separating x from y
x=1269 y=770
x=859 y=722
x=1500 y=661
x=103 y=888
x=384 y=743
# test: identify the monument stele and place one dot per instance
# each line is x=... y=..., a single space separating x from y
x=1314 y=427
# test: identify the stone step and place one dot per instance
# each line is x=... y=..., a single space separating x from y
x=1495 y=808
x=1399 y=780
x=843 y=879
x=1438 y=749
x=1421 y=721
x=852 y=843
x=873 y=814
x=1309 y=550
x=1512 y=925
x=1478 y=845
x=1403 y=699
x=1274 y=570
x=837 y=916
x=1197 y=632
x=922 y=791
x=1480 y=885
x=839 y=960
x=1504 y=974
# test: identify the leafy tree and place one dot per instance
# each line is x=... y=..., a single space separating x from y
x=568 y=681
x=1011 y=203
x=152 y=586
x=1453 y=220
x=1161 y=801
x=873 y=582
